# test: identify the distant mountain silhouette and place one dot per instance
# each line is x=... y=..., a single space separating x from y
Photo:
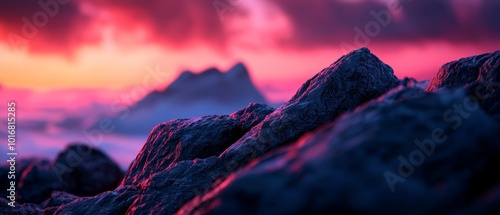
x=192 y=95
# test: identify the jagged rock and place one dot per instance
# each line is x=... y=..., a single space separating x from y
x=110 y=202
x=352 y=80
x=24 y=209
x=37 y=183
x=479 y=75
x=171 y=145
x=188 y=139
x=57 y=198
x=79 y=170
x=21 y=165
x=393 y=155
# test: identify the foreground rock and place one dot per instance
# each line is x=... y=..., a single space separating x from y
x=111 y=202
x=21 y=165
x=183 y=158
x=188 y=139
x=478 y=75
x=353 y=139
x=79 y=170
x=366 y=162
x=352 y=80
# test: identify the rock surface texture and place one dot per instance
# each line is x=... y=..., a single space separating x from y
x=353 y=140
x=478 y=75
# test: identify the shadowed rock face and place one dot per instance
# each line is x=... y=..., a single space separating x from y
x=353 y=164
x=110 y=202
x=352 y=80
x=79 y=170
x=188 y=139
x=478 y=75
x=354 y=139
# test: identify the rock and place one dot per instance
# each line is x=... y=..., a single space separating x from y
x=24 y=209
x=57 y=198
x=354 y=139
x=174 y=145
x=21 y=165
x=478 y=75
x=110 y=202
x=188 y=139
x=351 y=81
x=79 y=170
x=37 y=183
x=90 y=171
x=393 y=155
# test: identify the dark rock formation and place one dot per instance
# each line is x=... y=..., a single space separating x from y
x=79 y=170
x=21 y=165
x=352 y=80
x=110 y=203
x=366 y=162
x=353 y=140
x=90 y=171
x=188 y=139
x=37 y=183
x=24 y=209
x=183 y=158
x=479 y=75
x=57 y=199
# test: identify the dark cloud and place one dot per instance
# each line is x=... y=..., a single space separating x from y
x=42 y=26
x=330 y=22
x=171 y=23
x=315 y=23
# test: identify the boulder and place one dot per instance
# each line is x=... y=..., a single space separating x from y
x=347 y=83
x=21 y=209
x=393 y=155
x=79 y=169
x=478 y=75
x=110 y=202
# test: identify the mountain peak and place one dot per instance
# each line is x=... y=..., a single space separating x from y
x=237 y=71
x=210 y=71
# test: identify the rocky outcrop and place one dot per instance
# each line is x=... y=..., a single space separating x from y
x=478 y=75
x=366 y=162
x=21 y=165
x=79 y=170
x=183 y=158
x=21 y=209
x=353 y=139
x=188 y=139
x=352 y=80
x=57 y=198
x=110 y=202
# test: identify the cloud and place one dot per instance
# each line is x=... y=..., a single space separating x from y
x=171 y=23
x=70 y=24
x=180 y=24
x=329 y=22
x=45 y=25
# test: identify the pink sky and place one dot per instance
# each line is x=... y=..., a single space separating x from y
x=108 y=45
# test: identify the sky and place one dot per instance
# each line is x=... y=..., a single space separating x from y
x=109 y=44
x=74 y=56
